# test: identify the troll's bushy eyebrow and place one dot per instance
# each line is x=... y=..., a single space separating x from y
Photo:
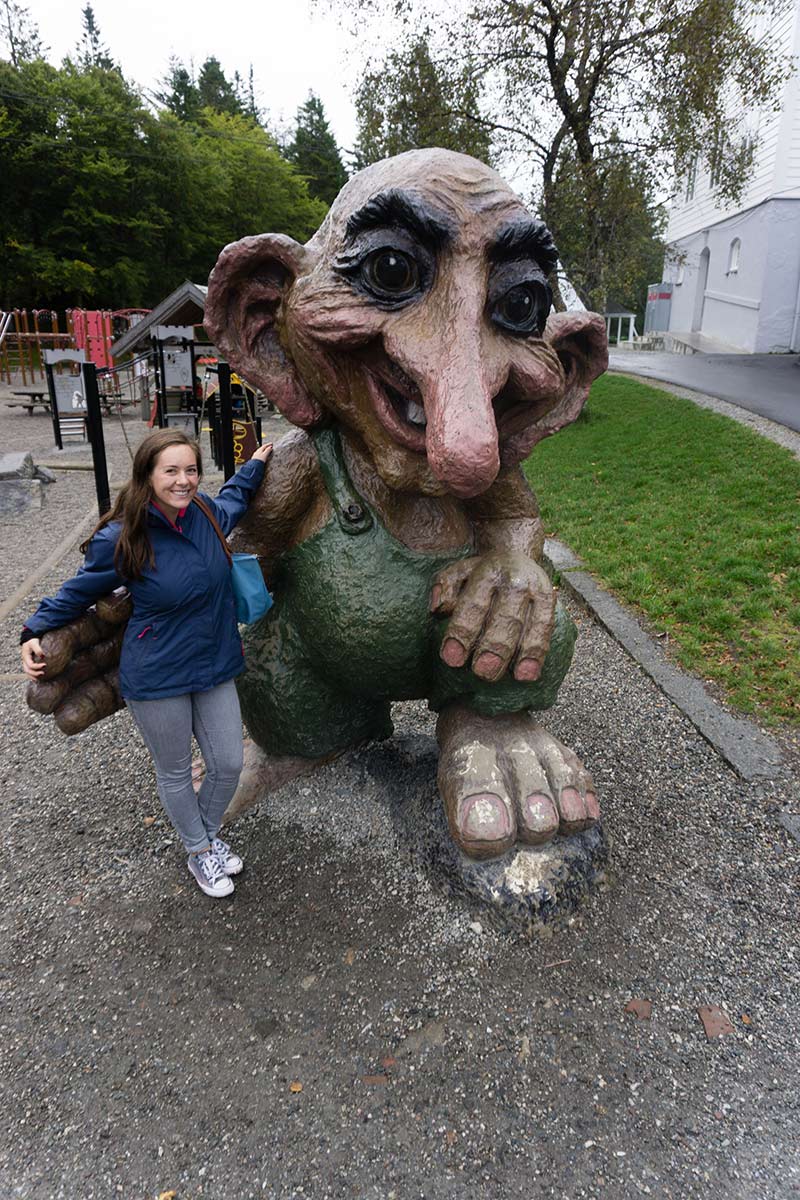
x=406 y=209
x=525 y=238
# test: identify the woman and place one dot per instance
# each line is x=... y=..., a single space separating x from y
x=181 y=649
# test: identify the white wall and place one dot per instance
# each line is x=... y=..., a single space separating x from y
x=781 y=287
x=753 y=308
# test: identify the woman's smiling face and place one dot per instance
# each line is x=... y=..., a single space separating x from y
x=174 y=479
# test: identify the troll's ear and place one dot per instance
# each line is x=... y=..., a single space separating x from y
x=579 y=339
x=246 y=293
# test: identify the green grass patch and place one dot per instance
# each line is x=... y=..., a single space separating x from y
x=693 y=519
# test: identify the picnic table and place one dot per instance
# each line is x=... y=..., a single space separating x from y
x=29 y=398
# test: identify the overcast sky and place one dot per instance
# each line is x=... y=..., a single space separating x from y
x=292 y=48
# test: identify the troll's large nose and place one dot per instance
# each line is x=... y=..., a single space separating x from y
x=459 y=372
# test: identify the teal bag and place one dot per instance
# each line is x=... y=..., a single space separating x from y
x=250 y=592
x=253 y=600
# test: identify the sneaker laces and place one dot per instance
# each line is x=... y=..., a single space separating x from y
x=210 y=866
x=221 y=849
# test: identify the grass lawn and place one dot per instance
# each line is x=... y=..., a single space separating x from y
x=694 y=519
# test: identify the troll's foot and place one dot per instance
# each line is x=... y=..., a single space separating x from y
x=505 y=779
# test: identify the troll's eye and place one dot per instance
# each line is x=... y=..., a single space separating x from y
x=523 y=308
x=390 y=273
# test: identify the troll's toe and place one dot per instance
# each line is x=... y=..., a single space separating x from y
x=482 y=825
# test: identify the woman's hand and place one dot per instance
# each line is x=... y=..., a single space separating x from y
x=263 y=452
x=33 y=663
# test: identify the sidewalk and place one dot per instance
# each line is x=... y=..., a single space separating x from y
x=767 y=384
x=343 y=1029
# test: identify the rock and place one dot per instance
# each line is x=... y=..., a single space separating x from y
x=715 y=1021
x=641 y=1009
x=17 y=465
x=19 y=495
x=429 y=1035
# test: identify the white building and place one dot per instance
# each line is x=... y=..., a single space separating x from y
x=735 y=269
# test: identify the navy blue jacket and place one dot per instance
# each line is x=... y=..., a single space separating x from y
x=183 y=635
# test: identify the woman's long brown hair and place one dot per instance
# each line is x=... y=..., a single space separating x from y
x=134 y=552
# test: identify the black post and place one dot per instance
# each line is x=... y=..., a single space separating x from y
x=161 y=392
x=192 y=405
x=51 y=388
x=226 y=419
x=213 y=424
x=94 y=424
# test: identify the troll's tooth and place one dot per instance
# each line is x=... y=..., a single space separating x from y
x=416 y=413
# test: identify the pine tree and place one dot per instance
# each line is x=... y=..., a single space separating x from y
x=179 y=92
x=314 y=152
x=215 y=91
x=409 y=102
x=91 y=51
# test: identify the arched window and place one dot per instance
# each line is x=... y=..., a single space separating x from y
x=733 y=256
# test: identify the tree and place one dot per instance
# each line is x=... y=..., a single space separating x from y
x=629 y=252
x=314 y=152
x=104 y=203
x=179 y=92
x=215 y=91
x=19 y=34
x=91 y=51
x=574 y=83
x=408 y=102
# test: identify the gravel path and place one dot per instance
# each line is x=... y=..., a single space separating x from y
x=341 y=1028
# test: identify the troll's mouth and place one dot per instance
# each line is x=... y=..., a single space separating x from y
x=408 y=408
x=397 y=402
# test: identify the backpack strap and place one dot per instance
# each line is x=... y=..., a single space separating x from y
x=201 y=504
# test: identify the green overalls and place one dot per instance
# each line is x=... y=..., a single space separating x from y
x=350 y=631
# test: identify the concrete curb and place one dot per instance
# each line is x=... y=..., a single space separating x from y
x=751 y=753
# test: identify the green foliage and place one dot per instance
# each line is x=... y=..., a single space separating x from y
x=616 y=257
x=410 y=102
x=179 y=94
x=314 y=152
x=91 y=51
x=692 y=518
x=582 y=87
x=214 y=91
x=104 y=203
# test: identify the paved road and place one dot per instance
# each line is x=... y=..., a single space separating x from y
x=767 y=384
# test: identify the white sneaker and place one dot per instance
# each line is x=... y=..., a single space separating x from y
x=210 y=876
x=230 y=862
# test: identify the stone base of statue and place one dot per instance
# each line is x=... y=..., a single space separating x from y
x=526 y=889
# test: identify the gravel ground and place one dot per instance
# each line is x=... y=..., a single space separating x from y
x=342 y=1028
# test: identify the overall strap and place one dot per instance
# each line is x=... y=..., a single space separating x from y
x=351 y=511
x=201 y=504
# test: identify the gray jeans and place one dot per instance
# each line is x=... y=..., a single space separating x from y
x=166 y=727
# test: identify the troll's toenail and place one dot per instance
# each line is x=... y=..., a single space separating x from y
x=592 y=806
x=571 y=805
x=453 y=653
x=484 y=817
x=527 y=669
x=488 y=664
x=540 y=814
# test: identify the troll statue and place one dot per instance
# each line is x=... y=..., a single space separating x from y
x=411 y=343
